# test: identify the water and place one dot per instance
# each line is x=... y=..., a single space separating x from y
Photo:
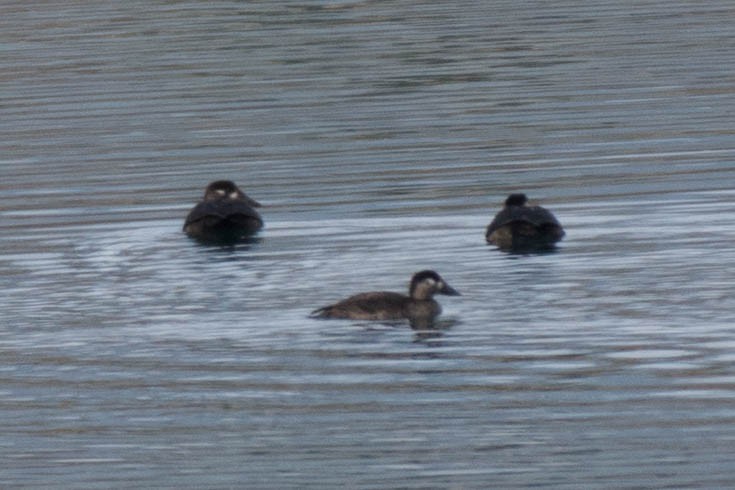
x=381 y=137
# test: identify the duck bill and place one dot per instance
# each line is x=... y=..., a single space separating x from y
x=449 y=290
x=250 y=201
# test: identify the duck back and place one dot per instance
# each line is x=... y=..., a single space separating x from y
x=380 y=306
x=367 y=306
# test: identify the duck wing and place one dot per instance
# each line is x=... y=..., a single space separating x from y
x=220 y=209
x=534 y=215
x=377 y=305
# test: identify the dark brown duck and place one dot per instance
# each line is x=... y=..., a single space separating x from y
x=225 y=215
x=518 y=227
x=419 y=306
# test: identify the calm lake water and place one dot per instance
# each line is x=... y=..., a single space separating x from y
x=381 y=137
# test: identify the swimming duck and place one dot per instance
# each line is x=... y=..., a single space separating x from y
x=225 y=215
x=518 y=227
x=419 y=306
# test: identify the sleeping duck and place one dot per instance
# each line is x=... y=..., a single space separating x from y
x=225 y=215
x=518 y=227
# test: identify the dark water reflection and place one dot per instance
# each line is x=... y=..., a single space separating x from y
x=381 y=139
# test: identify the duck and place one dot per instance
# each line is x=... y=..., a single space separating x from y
x=419 y=307
x=225 y=215
x=519 y=227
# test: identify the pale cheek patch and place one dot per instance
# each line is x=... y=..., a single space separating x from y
x=234 y=195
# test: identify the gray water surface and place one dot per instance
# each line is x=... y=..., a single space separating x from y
x=381 y=137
